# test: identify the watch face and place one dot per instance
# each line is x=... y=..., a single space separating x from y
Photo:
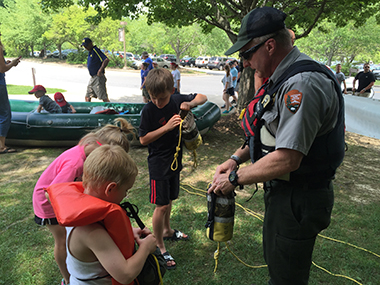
x=233 y=178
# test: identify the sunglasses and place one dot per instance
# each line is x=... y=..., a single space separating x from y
x=366 y=66
x=247 y=54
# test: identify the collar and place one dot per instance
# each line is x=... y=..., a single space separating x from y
x=293 y=56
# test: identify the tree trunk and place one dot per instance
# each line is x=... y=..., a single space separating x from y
x=246 y=88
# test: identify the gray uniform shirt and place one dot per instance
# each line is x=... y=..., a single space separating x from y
x=306 y=107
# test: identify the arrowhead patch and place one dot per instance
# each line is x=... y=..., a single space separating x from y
x=293 y=100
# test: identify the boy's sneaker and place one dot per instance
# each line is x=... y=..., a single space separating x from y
x=231 y=108
x=223 y=106
x=225 y=112
x=233 y=101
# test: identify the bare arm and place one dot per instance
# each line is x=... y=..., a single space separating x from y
x=178 y=85
x=156 y=134
x=345 y=87
x=103 y=66
x=199 y=99
x=273 y=165
x=353 y=85
x=4 y=67
x=72 y=109
x=39 y=108
x=96 y=239
x=368 y=87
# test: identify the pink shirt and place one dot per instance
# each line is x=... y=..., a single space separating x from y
x=65 y=168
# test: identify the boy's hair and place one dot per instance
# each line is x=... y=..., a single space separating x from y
x=108 y=163
x=116 y=134
x=159 y=81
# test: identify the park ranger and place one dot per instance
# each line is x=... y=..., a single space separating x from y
x=295 y=139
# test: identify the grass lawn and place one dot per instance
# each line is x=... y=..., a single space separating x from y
x=26 y=250
x=23 y=90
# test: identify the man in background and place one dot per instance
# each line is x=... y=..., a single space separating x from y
x=97 y=61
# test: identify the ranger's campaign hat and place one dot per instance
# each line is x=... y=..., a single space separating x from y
x=86 y=41
x=37 y=88
x=259 y=22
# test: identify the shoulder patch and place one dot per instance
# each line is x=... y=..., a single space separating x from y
x=293 y=100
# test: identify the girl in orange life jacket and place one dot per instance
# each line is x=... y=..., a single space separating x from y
x=68 y=167
x=95 y=251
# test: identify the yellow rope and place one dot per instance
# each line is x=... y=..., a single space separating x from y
x=337 y=275
x=260 y=217
x=216 y=256
x=178 y=148
x=251 y=266
x=158 y=269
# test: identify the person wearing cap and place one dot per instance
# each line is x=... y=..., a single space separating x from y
x=45 y=101
x=65 y=106
x=295 y=140
x=144 y=74
x=146 y=58
x=5 y=106
x=97 y=61
x=176 y=77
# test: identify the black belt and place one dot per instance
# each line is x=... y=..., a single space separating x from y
x=297 y=185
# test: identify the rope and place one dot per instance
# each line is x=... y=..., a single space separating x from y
x=158 y=269
x=337 y=275
x=260 y=217
x=174 y=165
x=216 y=256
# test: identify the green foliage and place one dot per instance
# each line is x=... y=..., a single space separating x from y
x=345 y=44
x=77 y=57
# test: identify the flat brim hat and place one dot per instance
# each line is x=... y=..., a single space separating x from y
x=86 y=42
x=37 y=88
x=259 y=22
x=58 y=97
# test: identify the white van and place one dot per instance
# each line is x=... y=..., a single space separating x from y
x=201 y=61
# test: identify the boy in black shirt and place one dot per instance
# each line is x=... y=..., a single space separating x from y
x=159 y=129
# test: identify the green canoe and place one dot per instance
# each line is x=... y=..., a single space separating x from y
x=44 y=129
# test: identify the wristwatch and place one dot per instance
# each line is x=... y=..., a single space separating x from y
x=237 y=159
x=233 y=178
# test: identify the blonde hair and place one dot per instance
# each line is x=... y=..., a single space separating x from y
x=108 y=163
x=116 y=134
x=159 y=81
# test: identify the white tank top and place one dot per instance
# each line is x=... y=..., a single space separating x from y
x=89 y=272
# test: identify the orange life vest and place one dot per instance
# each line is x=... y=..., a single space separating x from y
x=73 y=208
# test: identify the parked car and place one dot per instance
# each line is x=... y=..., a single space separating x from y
x=217 y=62
x=169 y=57
x=376 y=71
x=36 y=53
x=201 y=61
x=190 y=61
x=161 y=62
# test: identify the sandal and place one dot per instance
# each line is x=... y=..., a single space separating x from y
x=8 y=150
x=169 y=258
x=177 y=235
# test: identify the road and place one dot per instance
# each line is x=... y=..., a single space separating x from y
x=122 y=85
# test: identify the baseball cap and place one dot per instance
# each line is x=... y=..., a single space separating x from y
x=86 y=41
x=173 y=63
x=259 y=22
x=37 y=88
x=145 y=53
x=58 y=97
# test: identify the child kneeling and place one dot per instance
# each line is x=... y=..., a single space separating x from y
x=100 y=239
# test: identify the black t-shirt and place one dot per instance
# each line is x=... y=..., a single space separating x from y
x=161 y=151
x=364 y=79
x=66 y=108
